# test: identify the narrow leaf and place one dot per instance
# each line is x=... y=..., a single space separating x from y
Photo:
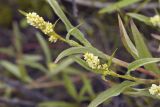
x=126 y=40
x=12 y=68
x=142 y=48
x=111 y=92
x=56 y=104
x=17 y=38
x=34 y=65
x=70 y=86
x=78 y=50
x=7 y=51
x=82 y=63
x=134 y=65
x=61 y=66
x=45 y=47
x=140 y=17
x=76 y=33
x=117 y=6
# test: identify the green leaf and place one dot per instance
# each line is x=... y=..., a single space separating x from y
x=76 y=33
x=82 y=63
x=140 y=17
x=71 y=30
x=17 y=38
x=135 y=64
x=111 y=92
x=7 y=51
x=70 y=87
x=45 y=48
x=140 y=93
x=126 y=40
x=34 y=65
x=112 y=56
x=78 y=50
x=16 y=70
x=32 y=57
x=56 y=104
x=12 y=68
x=117 y=6
x=61 y=66
x=142 y=48
x=22 y=12
x=88 y=87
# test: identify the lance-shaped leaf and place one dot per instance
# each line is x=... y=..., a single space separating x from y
x=56 y=104
x=76 y=33
x=70 y=87
x=78 y=50
x=141 y=18
x=45 y=48
x=126 y=40
x=135 y=64
x=117 y=6
x=111 y=92
x=142 y=48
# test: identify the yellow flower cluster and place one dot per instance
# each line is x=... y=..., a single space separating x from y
x=94 y=62
x=38 y=22
x=155 y=20
x=155 y=90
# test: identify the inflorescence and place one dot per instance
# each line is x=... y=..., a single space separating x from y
x=155 y=20
x=155 y=90
x=46 y=27
x=94 y=63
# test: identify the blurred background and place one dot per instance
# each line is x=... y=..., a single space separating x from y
x=26 y=58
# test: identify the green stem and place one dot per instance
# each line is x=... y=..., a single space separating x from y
x=128 y=77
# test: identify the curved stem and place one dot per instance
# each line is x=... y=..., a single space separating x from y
x=128 y=77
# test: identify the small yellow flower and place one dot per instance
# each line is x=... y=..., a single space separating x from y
x=38 y=22
x=52 y=38
x=46 y=27
x=104 y=67
x=155 y=20
x=35 y=20
x=93 y=61
x=155 y=90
